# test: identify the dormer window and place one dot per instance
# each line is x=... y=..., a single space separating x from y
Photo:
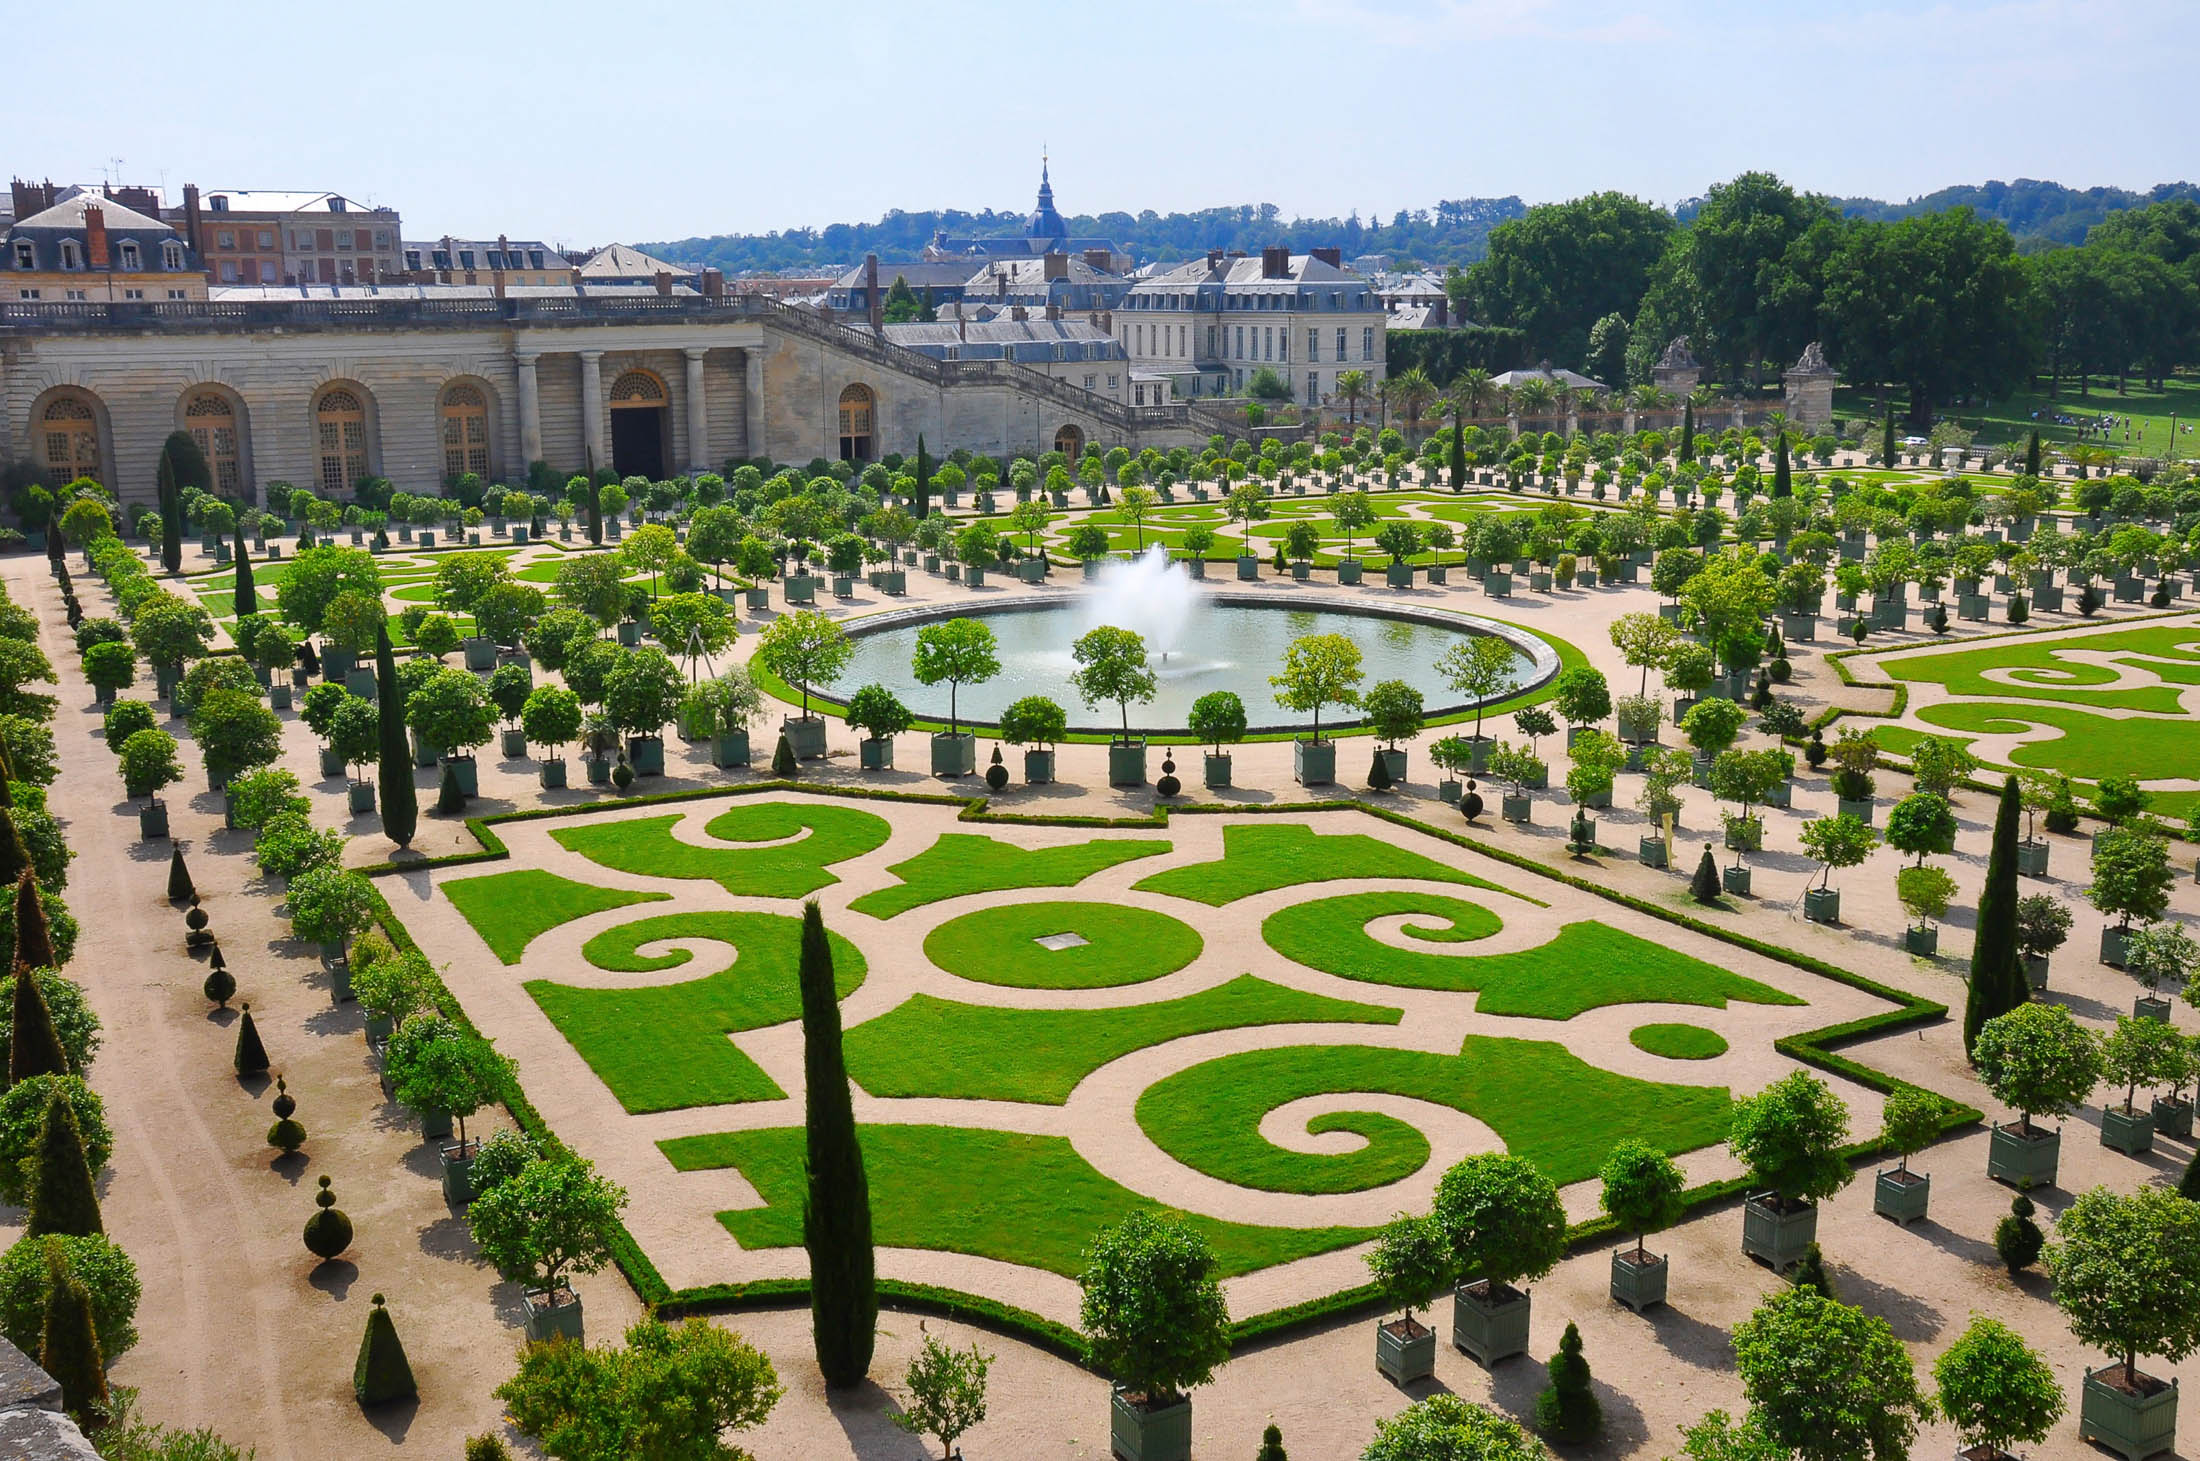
x=534 y=258
x=72 y=254
x=465 y=258
x=26 y=254
x=171 y=255
x=127 y=252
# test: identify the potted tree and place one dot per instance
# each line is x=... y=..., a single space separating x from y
x=2127 y=1277
x=1198 y=538
x=1789 y=1136
x=1393 y=708
x=804 y=648
x=1401 y=540
x=1411 y=1259
x=1155 y=1324
x=641 y=693
x=2173 y=1109
x=1925 y=892
x=1689 y=672
x=148 y=762
x=599 y=747
x=2038 y=1061
x=458 y=1074
x=955 y=652
x=1519 y=769
x=1597 y=756
x=723 y=709
x=1111 y=666
x=1995 y=1391
x=508 y=689
x=1300 y=540
x=1642 y=1193
x=1503 y=1219
x=318 y=710
x=1711 y=727
x=1318 y=670
x=1835 y=842
x=1665 y=770
x=2158 y=954
x=2043 y=924
x=1451 y=755
x=330 y=907
x=1038 y=724
x=1583 y=699
x=1745 y=778
x=977 y=548
x=1088 y=543
x=111 y=666
x=449 y=714
x=550 y=718
x=356 y=736
x=1218 y=719
x=2137 y=1052
x=880 y=715
x=1481 y=669
x=1912 y=1119
x=552 y=1219
x=1351 y=512
x=424 y=1027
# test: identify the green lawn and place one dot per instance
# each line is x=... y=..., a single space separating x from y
x=1544 y=1102
x=510 y=910
x=1678 y=1042
x=961 y=863
x=936 y=1047
x=2043 y=672
x=1587 y=966
x=1122 y=945
x=2011 y=419
x=664 y=1047
x=992 y=1194
x=2090 y=746
x=788 y=869
x=1261 y=859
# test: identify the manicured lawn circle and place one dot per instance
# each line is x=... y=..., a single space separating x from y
x=1678 y=1042
x=781 y=869
x=1544 y=1103
x=664 y=1047
x=992 y=1194
x=935 y=1047
x=961 y=863
x=511 y=910
x=1260 y=859
x=1122 y=945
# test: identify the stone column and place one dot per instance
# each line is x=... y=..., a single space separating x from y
x=753 y=399
x=698 y=411
x=530 y=413
x=592 y=409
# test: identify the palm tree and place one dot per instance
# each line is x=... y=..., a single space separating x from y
x=1651 y=398
x=1352 y=385
x=1473 y=389
x=1536 y=396
x=1415 y=391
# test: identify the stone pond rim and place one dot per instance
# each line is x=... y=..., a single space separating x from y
x=1542 y=659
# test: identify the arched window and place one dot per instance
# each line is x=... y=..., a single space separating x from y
x=212 y=422
x=465 y=431
x=637 y=388
x=70 y=428
x=340 y=431
x=858 y=410
x=1069 y=441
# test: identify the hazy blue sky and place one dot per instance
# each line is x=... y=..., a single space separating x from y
x=583 y=123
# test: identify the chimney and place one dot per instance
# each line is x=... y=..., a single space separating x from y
x=1000 y=283
x=663 y=281
x=1107 y=320
x=714 y=284
x=1440 y=313
x=1054 y=312
x=1275 y=263
x=1214 y=258
x=870 y=291
x=1334 y=258
x=504 y=246
x=496 y=283
x=1098 y=259
x=191 y=221
x=1018 y=313
x=1054 y=266
x=95 y=237
x=962 y=332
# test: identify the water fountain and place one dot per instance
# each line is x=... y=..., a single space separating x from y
x=1152 y=596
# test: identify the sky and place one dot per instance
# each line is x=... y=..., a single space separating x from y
x=581 y=124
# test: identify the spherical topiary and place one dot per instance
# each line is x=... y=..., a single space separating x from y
x=220 y=983
x=1470 y=803
x=2017 y=1239
x=286 y=1134
x=251 y=1055
x=194 y=922
x=1168 y=785
x=622 y=775
x=328 y=1231
x=996 y=775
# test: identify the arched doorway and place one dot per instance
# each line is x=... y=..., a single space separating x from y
x=858 y=420
x=465 y=413
x=212 y=421
x=1069 y=441
x=69 y=439
x=340 y=439
x=638 y=425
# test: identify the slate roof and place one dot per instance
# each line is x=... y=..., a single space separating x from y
x=624 y=261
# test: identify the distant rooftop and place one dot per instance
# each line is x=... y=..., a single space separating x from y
x=277 y=200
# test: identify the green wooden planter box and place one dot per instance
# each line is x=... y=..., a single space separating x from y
x=1137 y=1432
x=1497 y=585
x=2150 y=1007
x=434 y=1125
x=2032 y=859
x=360 y=797
x=806 y=735
x=2130 y=1132
x=458 y=1171
x=551 y=775
x=729 y=749
x=799 y=590
x=2173 y=1117
x=1650 y=851
x=2133 y=1426
x=954 y=755
x=1038 y=768
x=2035 y=970
x=1405 y=1354
x=1302 y=571
x=755 y=600
x=1734 y=878
x=1399 y=575
x=153 y=821
x=1215 y=772
x=332 y=763
x=481 y=654
x=1516 y=809
x=1921 y=941
x=1638 y=1285
x=512 y=741
x=1777 y=1238
x=545 y=1321
x=1314 y=763
x=1901 y=1195
x=468 y=772
x=1488 y=1332
x=1395 y=763
x=1348 y=570
x=1860 y=808
x=1126 y=763
x=598 y=770
x=362 y=684
x=875 y=753
x=1248 y=569
x=2023 y=1162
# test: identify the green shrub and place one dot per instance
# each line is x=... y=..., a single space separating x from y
x=501 y=1158
x=1569 y=1410
x=96 y=1262
x=381 y=1374
x=289 y=845
x=73 y=1020
x=23 y=1114
x=124 y=719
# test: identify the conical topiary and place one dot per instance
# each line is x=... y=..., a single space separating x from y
x=68 y=1347
x=1569 y=1410
x=180 y=887
x=784 y=765
x=251 y=1056
x=220 y=983
x=1378 y=772
x=328 y=1231
x=381 y=1374
x=63 y=1199
x=286 y=1134
x=1811 y=1273
x=34 y=1046
x=2017 y=1239
x=15 y=859
x=1704 y=886
x=488 y=1446
x=33 y=938
x=450 y=797
x=1271 y=1445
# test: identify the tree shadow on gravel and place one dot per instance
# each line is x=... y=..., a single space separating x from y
x=1912 y=1319
x=334 y=1277
x=449 y=1238
x=865 y=1414
x=394 y=1418
x=1688 y=1338
x=291 y=1166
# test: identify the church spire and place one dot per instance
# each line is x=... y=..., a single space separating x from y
x=1045 y=222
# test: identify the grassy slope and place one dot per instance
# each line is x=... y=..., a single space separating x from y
x=510 y=910
x=1123 y=945
x=1209 y=1116
x=961 y=863
x=1260 y=859
x=646 y=846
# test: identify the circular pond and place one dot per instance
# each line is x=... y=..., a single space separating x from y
x=1215 y=641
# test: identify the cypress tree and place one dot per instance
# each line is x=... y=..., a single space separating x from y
x=68 y=1348
x=1704 y=885
x=1378 y=772
x=1811 y=1273
x=400 y=800
x=2032 y=454
x=1886 y=436
x=251 y=1056
x=381 y=1373
x=923 y=498
x=171 y=512
x=247 y=599
x=595 y=510
x=180 y=887
x=450 y=797
x=33 y=938
x=1783 y=482
x=1687 y=452
x=2189 y=1184
x=1458 y=451
x=63 y=1199
x=1997 y=975
x=34 y=1046
x=836 y=1211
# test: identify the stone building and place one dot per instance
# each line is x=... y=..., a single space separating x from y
x=498 y=262
x=419 y=384
x=92 y=249
x=624 y=264
x=1045 y=232
x=1677 y=370
x=1209 y=325
x=269 y=236
x=1807 y=386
